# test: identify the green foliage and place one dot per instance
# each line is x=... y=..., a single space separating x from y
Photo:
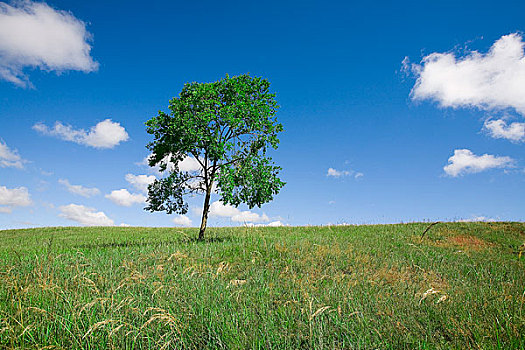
x=228 y=127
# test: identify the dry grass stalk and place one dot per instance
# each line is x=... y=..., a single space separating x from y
x=97 y=326
x=237 y=282
x=177 y=256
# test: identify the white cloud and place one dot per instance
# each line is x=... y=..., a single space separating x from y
x=15 y=197
x=492 y=80
x=499 y=129
x=464 y=162
x=248 y=216
x=34 y=35
x=340 y=173
x=10 y=158
x=189 y=164
x=182 y=220
x=219 y=209
x=85 y=215
x=140 y=182
x=275 y=224
x=79 y=189
x=123 y=198
x=106 y=134
x=476 y=218
x=271 y=224
x=336 y=173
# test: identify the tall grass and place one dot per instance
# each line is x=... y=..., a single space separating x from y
x=340 y=287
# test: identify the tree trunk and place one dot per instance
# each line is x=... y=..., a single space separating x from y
x=205 y=210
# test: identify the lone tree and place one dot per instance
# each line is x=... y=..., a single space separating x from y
x=225 y=128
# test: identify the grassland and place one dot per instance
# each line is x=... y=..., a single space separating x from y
x=351 y=287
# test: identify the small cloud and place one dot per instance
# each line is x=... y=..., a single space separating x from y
x=188 y=164
x=336 y=173
x=475 y=218
x=331 y=202
x=271 y=224
x=499 y=129
x=341 y=173
x=85 y=215
x=182 y=220
x=10 y=158
x=106 y=134
x=124 y=225
x=34 y=35
x=488 y=81
x=123 y=198
x=275 y=224
x=15 y=197
x=220 y=209
x=248 y=216
x=465 y=162
x=80 y=190
x=140 y=182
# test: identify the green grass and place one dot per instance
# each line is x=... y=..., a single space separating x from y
x=340 y=287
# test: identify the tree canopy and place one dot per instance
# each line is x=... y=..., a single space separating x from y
x=225 y=128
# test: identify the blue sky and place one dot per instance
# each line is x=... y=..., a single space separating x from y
x=393 y=112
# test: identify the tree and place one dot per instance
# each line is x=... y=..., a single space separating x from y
x=226 y=127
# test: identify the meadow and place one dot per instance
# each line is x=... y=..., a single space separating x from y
x=460 y=286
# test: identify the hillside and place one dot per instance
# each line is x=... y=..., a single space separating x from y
x=378 y=286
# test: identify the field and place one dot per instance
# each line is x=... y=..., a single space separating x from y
x=334 y=287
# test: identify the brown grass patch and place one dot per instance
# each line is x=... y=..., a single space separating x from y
x=447 y=238
x=408 y=275
x=465 y=242
x=469 y=242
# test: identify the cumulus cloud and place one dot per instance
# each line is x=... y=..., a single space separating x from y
x=340 y=173
x=34 y=35
x=476 y=218
x=79 y=189
x=85 y=215
x=140 y=182
x=123 y=198
x=219 y=209
x=14 y=197
x=464 y=162
x=182 y=220
x=277 y=223
x=189 y=164
x=10 y=158
x=492 y=80
x=106 y=134
x=498 y=129
x=336 y=173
